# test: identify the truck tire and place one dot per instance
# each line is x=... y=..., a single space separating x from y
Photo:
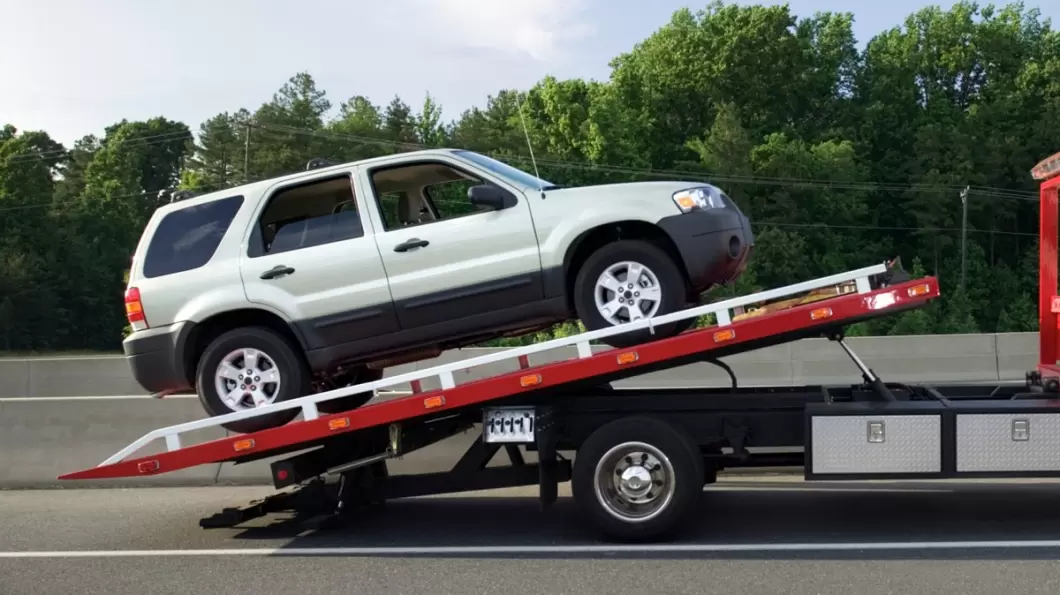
x=660 y=274
x=361 y=375
x=638 y=478
x=252 y=363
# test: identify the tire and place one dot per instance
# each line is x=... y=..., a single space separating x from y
x=681 y=469
x=658 y=264
x=359 y=376
x=278 y=352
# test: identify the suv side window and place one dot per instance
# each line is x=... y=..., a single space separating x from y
x=423 y=192
x=306 y=215
x=450 y=198
x=186 y=239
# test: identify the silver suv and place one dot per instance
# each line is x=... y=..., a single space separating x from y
x=324 y=278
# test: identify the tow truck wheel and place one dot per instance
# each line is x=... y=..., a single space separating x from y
x=248 y=368
x=637 y=478
x=630 y=280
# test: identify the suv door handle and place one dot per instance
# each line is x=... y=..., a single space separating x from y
x=277 y=271
x=410 y=244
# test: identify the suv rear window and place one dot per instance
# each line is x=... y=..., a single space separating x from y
x=187 y=239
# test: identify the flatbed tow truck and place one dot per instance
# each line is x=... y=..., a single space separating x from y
x=643 y=456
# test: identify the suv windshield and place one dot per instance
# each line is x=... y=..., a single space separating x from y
x=506 y=171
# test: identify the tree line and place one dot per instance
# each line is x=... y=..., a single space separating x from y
x=918 y=145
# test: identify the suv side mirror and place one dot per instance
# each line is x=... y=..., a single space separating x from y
x=490 y=196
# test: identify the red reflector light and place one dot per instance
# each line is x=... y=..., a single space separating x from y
x=725 y=335
x=919 y=290
x=820 y=313
x=148 y=466
x=134 y=308
x=530 y=380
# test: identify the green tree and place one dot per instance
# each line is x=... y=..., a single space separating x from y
x=219 y=155
x=842 y=157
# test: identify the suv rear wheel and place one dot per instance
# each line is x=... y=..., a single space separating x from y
x=248 y=368
x=630 y=280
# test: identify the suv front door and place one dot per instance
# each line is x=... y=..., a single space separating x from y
x=451 y=265
x=312 y=256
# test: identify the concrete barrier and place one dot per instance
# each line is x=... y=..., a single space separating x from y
x=970 y=358
x=63 y=414
x=41 y=439
x=84 y=376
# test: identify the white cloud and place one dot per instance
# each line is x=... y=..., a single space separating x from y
x=538 y=28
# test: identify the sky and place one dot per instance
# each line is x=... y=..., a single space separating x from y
x=72 y=67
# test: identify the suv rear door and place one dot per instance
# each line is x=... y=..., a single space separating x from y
x=312 y=255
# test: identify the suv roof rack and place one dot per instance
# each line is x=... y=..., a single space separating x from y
x=180 y=195
x=318 y=163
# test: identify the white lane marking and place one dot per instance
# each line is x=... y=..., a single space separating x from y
x=817 y=488
x=544 y=549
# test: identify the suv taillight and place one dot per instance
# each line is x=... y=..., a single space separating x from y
x=134 y=309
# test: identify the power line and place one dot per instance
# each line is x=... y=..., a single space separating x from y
x=812 y=226
x=148 y=140
x=134 y=141
x=151 y=140
x=62 y=206
x=891 y=228
x=983 y=191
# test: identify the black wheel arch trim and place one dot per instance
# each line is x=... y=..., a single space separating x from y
x=185 y=337
x=556 y=278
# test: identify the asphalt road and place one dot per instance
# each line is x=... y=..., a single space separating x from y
x=755 y=535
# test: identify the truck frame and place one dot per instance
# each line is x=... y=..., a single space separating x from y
x=643 y=456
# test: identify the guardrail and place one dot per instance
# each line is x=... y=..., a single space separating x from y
x=958 y=358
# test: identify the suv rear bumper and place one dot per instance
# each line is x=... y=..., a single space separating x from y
x=715 y=244
x=156 y=358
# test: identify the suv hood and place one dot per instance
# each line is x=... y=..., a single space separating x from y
x=652 y=192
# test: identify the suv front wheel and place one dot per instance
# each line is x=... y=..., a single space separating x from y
x=248 y=368
x=626 y=281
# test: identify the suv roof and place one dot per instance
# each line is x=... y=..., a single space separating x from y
x=261 y=185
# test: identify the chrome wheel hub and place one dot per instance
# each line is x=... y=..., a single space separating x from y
x=246 y=379
x=634 y=481
x=627 y=291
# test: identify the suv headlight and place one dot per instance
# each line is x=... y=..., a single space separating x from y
x=693 y=199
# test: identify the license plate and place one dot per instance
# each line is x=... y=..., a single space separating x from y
x=509 y=426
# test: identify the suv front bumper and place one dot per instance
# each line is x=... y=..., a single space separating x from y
x=715 y=244
x=156 y=359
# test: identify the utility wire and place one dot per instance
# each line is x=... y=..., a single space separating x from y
x=151 y=140
x=984 y=191
x=133 y=141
